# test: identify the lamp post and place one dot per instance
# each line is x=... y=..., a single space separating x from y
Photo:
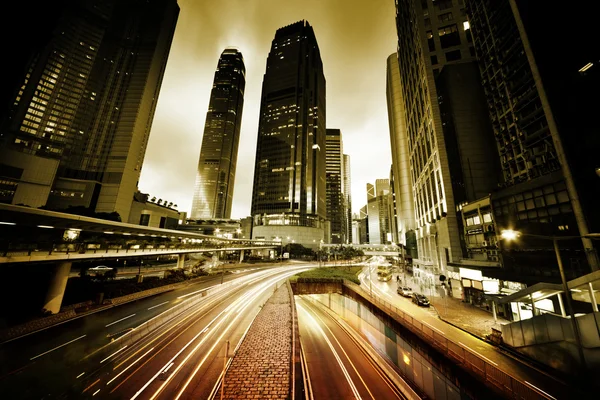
x=510 y=234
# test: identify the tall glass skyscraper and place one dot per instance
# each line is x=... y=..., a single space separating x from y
x=288 y=199
x=78 y=101
x=213 y=191
x=335 y=186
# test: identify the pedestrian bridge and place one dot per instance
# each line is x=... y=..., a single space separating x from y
x=390 y=250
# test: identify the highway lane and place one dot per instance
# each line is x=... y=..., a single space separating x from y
x=47 y=357
x=185 y=357
x=336 y=364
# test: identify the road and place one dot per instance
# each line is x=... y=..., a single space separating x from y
x=53 y=358
x=336 y=364
x=539 y=381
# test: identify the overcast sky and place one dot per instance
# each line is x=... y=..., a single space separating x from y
x=355 y=38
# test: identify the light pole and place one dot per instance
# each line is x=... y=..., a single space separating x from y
x=510 y=234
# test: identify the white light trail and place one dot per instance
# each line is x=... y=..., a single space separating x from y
x=57 y=347
x=122 y=319
x=116 y=352
x=129 y=366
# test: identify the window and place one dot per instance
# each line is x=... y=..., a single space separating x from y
x=430 y=41
x=453 y=55
x=445 y=17
x=444 y=4
x=449 y=36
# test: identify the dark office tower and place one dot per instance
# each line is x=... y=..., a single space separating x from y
x=288 y=199
x=444 y=137
x=213 y=191
x=334 y=185
x=85 y=82
x=347 y=187
x=542 y=88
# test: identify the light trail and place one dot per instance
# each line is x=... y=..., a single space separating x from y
x=116 y=352
x=334 y=352
x=57 y=347
x=117 y=321
x=158 y=305
x=130 y=365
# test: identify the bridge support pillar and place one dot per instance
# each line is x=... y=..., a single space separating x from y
x=56 y=289
x=241 y=256
x=180 y=261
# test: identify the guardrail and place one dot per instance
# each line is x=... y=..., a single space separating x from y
x=509 y=385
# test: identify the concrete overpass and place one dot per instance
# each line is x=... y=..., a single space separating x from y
x=29 y=235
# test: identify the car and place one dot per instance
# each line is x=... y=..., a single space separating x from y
x=404 y=291
x=420 y=300
x=101 y=268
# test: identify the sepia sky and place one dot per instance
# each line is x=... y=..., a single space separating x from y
x=355 y=38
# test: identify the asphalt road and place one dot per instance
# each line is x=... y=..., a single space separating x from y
x=338 y=367
x=45 y=364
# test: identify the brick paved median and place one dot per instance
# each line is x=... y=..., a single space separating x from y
x=261 y=367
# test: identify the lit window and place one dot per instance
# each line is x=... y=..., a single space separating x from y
x=466 y=25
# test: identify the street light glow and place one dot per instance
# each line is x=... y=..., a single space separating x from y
x=509 y=234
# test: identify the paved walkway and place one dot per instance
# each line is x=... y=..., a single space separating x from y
x=261 y=366
x=463 y=315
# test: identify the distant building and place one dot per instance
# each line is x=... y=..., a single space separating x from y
x=347 y=193
x=289 y=192
x=363 y=219
x=335 y=184
x=150 y=213
x=378 y=199
x=213 y=190
x=78 y=100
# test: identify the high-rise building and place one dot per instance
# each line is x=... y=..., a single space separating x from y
x=405 y=211
x=378 y=203
x=288 y=199
x=78 y=105
x=445 y=137
x=542 y=100
x=213 y=190
x=346 y=179
x=363 y=219
x=335 y=185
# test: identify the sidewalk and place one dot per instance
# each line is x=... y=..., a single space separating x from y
x=454 y=311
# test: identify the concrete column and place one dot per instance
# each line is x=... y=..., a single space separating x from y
x=241 y=256
x=494 y=311
x=180 y=261
x=593 y=297
x=562 y=306
x=56 y=288
x=532 y=305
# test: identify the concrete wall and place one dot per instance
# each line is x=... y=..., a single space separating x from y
x=549 y=339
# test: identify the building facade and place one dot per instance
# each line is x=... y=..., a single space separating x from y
x=81 y=98
x=443 y=137
x=347 y=193
x=378 y=206
x=213 y=189
x=542 y=110
x=289 y=191
x=334 y=179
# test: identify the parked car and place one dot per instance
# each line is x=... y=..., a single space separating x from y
x=101 y=268
x=404 y=291
x=420 y=300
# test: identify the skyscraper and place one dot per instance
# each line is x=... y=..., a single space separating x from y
x=85 y=80
x=378 y=209
x=542 y=100
x=405 y=217
x=288 y=199
x=347 y=187
x=334 y=186
x=213 y=191
x=445 y=138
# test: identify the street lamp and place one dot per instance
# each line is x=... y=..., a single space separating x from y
x=509 y=234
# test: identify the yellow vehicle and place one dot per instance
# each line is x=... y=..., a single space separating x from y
x=384 y=273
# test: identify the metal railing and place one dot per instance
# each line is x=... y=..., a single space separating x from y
x=509 y=385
